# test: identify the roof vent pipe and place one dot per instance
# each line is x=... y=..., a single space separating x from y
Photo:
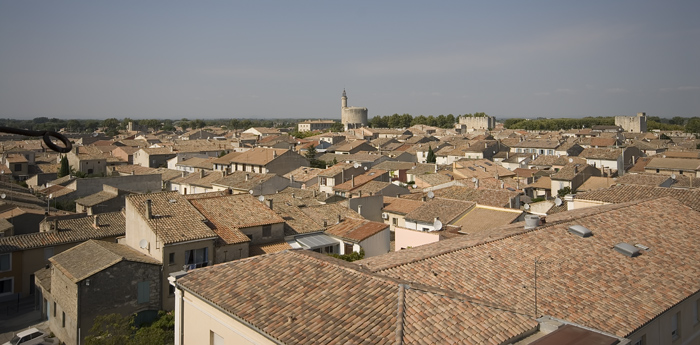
x=149 y=214
x=580 y=231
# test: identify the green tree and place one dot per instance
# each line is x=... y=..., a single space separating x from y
x=115 y=329
x=693 y=125
x=431 y=158
x=110 y=123
x=74 y=126
x=111 y=329
x=311 y=153
x=564 y=192
x=337 y=127
x=64 y=169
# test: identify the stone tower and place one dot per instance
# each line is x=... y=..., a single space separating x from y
x=352 y=117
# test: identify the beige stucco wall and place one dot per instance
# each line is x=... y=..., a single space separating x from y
x=658 y=331
x=201 y=319
x=405 y=238
x=65 y=293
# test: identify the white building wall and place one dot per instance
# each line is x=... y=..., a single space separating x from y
x=377 y=244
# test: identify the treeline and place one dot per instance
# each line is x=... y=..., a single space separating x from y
x=543 y=124
x=406 y=120
x=113 y=125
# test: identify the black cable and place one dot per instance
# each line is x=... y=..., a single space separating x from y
x=46 y=135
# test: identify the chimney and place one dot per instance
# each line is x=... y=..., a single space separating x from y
x=502 y=184
x=352 y=184
x=423 y=199
x=201 y=173
x=95 y=222
x=183 y=173
x=339 y=218
x=149 y=214
x=359 y=194
x=291 y=178
x=247 y=177
x=274 y=153
x=132 y=173
x=314 y=193
x=325 y=223
x=229 y=191
x=575 y=169
x=269 y=203
x=359 y=209
x=476 y=184
x=293 y=196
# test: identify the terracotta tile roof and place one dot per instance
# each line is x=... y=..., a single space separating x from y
x=335 y=169
x=350 y=306
x=639 y=165
x=485 y=218
x=569 y=171
x=433 y=179
x=90 y=257
x=70 y=231
x=581 y=280
x=269 y=248
x=596 y=183
x=241 y=180
x=94 y=199
x=361 y=179
x=674 y=163
x=602 y=142
x=373 y=187
x=355 y=229
x=549 y=160
x=603 y=153
x=232 y=212
x=537 y=143
x=400 y=205
x=303 y=174
x=445 y=209
x=256 y=156
x=488 y=197
x=175 y=219
x=197 y=162
x=620 y=194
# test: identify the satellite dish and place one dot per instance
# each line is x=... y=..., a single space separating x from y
x=571 y=160
x=356 y=165
x=261 y=198
x=51 y=196
x=3 y=196
x=527 y=206
x=251 y=192
x=557 y=201
x=473 y=179
x=673 y=176
x=431 y=194
x=437 y=225
x=365 y=168
x=143 y=244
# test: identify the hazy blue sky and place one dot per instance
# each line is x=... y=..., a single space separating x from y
x=262 y=59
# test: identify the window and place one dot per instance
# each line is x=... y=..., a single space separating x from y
x=395 y=221
x=215 y=339
x=5 y=262
x=197 y=258
x=171 y=290
x=54 y=309
x=171 y=258
x=63 y=319
x=267 y=231
x=676 y=326
x=6 y=286
x=696 y=311
x=144 y=292
x=18 y=167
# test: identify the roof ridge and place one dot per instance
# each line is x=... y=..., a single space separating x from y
x=400 y=313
